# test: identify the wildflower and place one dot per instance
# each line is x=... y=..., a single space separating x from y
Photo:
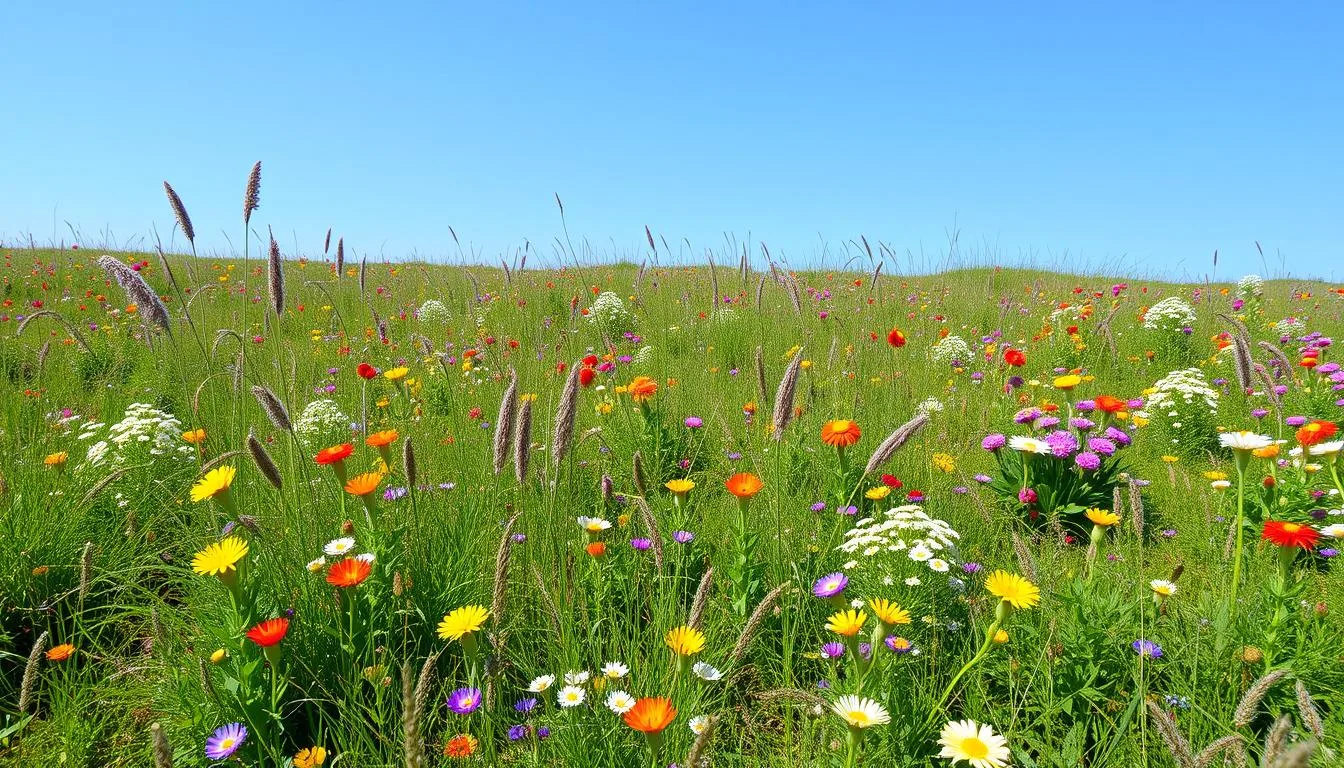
x=596 y=549
x=593 y=525
x=840 y=434
x=620 y=702
x=577 y=678
x=463 y=621
x=993 y=442
x=571 y=696
x=461 y=745
x=898 y=645
x=685 y=640
x=889 y=613
x=1015 y=357
x=744 y=485
x=214 y=485
x=642 y=389
x=966 y=741
x=1013 y=589
x=1285 y=534
x=364 y=484
x=706 y=672
x=1001 y=637
x=1028 y=445
x=831 y=585
x=56 y=460
x=225 y=741
x=694 y=422
x=350 y=572
x=334 y=454
x=311 y=757
x=651 y=716
x=366 y=371
x=683 y=537
x=896 y=338
x=540 y=684
x=846 y=623
x=220 y=558
x=1162 y=589
x=464 y=701
x=859 y=712
x=1068 y=381
x=1102 y=518
x=679 y=488
x=1244 y=441
x=944 y=462
x=396 y=374
x=698 y=724
x=339 y=546
x=194 y=436
x=877 y=493
x=1147 y=648
x=1316 y=432
x=60 y=652
x=614 y=670
x=269 y=633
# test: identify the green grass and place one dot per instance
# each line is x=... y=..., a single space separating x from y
x=1066 y=689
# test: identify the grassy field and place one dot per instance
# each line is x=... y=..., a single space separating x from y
x=517 y=564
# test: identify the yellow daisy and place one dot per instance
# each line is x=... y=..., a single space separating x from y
x=1013 y=589
x=215 y=482
x=220 y=557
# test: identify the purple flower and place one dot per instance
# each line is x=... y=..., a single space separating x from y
x=694 y=422
x=983 y=479
x=1260 y=413
x=915 y=497
x=818 y=507
x=1120 y=437
x=1081 y=424
x=1085 y=406
x=1088 y=461
x=846 y=510
x=1295 y=421
x=393 y=493
x=993 y=442
x=518 y=538
x=1062 y=444
x=683 y=537
x=1327 y=552
x=1047 y=422
x=960 y=489
x=1147 y=648
x=1027 y=415
x=464 y=701
x=525 y=705
x=1167 y=533
x=830 y=585
x=1015 y=381
x=1101 y=445
x=641 y=544
x=734 y=456
x=225 y=741
x=898 y=645
x=543 y=732
x=971 y=567
x=866 y=650
x=517 y=732
x=833 y=650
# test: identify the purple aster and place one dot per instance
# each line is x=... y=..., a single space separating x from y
x=694 y=422
x=1327 y=552
x=1062 y=444
x=866 y=650
x=1295 y=421
x=993 y=442
x=543 y=732
x=1015 y=381
x=394 y=493
x=1081 y=424
x=447 y=486
x=1167 y=533
x=683 y=537
x=1085 y=406
x=1147 y=648
x=898 y=645
x=818 y=507
x=1101 y=445
x=518 y=538
x=525 y=705
x=1027 y=415
x=830 y=585
x=1119 y=436
x=464 y=701
x=641 y=544
x=833 y=650
x=971 y=567
x=1259 y=413
x=960 y=489
x=846 y=510
x=983 y=479
x=1047 y=422
x=734 y=456
x=1088 y=461
x=1134 y=404
x=225 y=741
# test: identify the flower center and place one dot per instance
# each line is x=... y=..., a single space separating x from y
x=974 y=748
x=858 y=717
x=1291 y=527
x=226 y=743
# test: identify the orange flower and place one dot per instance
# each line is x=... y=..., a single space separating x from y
x=462 y=745
x=350 y=572
x=840 y=433
x=1015 y=357
x=363 y=485
x=194 y=436
x=1316 y=432
x=269 y=632
x=744 y=485
x=61 y=652
x=651 y=715
x=1290 y=534
x=335 y=454
x=642 y=389
x=596 y=549
x=1108 y=404
x=381 y=439
x=895 y=338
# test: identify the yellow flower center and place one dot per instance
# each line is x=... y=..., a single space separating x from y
x=840 y=426
x=858 y=717
x=1291 y=527
x=226 y=744
x=974 y=748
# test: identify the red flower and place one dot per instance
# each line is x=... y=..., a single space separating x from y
x=895 y=338
x=1316 y=432
x=596 y=549
x=350 y=572
x=1108 y=404
x=366 y=371
x=1268 y=482
x=1015 y=357
x=1290 y=534
x=893 y=482
x=589 y=360
x=269 y=632
x=586 y=375
x=334 y=454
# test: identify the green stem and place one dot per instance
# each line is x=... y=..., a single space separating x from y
x=980 y=654
x=1241 y=535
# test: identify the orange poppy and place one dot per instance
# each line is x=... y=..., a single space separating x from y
x=1108 y=404
x=350 y=572
x=651 y=715
x=381 y=439
x=840 y=433
x=596 y=549
x=462 y=745
x=269 y=632
x=61 y=652
x=642 y=388
x=363 y=485
x=334 y=454
x=1316 y=432
x=194 y=436
x=744 y=485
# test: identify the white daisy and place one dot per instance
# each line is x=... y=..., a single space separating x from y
x=339 y=546
x=860 y=712
x=1025 y=444
x=540 y=684
x=913 y=581
x=1162 y=587
x=594 y=524
x=367 y=557
x=938 y=565
x=619 y=702
x=966 y=741
x=614 y=670
x=571 y=696
x=577 y=678
x=699 y=724
x=1333 y=530
x=919 y=553
x=316 y=565
x=1327 y=449
x=706 y=672
x=1243 y=441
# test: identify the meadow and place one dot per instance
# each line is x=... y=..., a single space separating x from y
x=297 y=509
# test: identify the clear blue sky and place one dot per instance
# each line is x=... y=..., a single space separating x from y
x=1146 y=136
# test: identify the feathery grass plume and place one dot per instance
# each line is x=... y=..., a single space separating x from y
x=1171 y=735
x=888 y=448
x=694 y=757
x=1276 y=740
x=475 y=286
x=1306 y=711
x=761 y=384
x=1025 y=562
x=150 y=306
x=1250 y=701
x=42 y=353
x=522 y=441
x=655 y=534
x=85 y=570
x=408 y=465
x=180 y=212
x=412 y=742
x=760 y=292
x=552 y=611
x=872 y=281
x=713 y=284
x=1118 y=501
x=508 y=275
x=639 y=276
x=72 y=330
x=743 y=268
x=755 y=621
x=168 y=271
x=605 y=488
x=363 y=273
x=340 y=257
x=637 y=474
x=1241 y=351
x=163 y=754
x=1136 y=507
x=702 y=592
x=499 y=594
x=275 y=410
x=508 y=406
x=1278 y=355
x=1226 y=746
x=1273 y=396
x=1297 y=757
x=326 y=244
x=788 y=387
x=564 y=415
x=30 y=673
x=263 y=460
x=791 y=283
x=275 y=279
x=252 y=195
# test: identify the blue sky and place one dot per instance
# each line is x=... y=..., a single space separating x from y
x=1140 y=137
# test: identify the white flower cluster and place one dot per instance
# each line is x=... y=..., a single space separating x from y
x=433 y=312
x=609 y=311
x=1070 y=315
x=1181 y=395
x=1250 y=287
x=643 y=356
x=929 y=406
x=1170 y=314
x=321 y=423
x=145 y=430
x=1290 y=326
x=952 y=348
x=905 y=529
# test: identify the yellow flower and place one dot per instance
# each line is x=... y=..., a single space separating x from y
x=1214 y=475
x=194 y=436
x=680 y=487
x=806 y=365
x=56 y=459
x=1001 y=636
x=1102 y=517
x=847 y=623
x=889 y=613
x=396 y=374
x=603 y=408
x=219 y=655
x=1067 y=382
x=878 y=493
x=215 y=482
x=1171 y=459
x=685 y=640
x=944 y=462
x=220 y=557
x=310 y=758
x=1013 y=589
x=462 y=622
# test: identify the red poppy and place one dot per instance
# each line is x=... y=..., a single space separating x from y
x=334 y=454
x=586 y=376
x=895 y=338
x=1316 y=432
x=589 y=360
x=892 y=481
x=1015 y=357
x=269 y=632
x=1108 y=404
x=366 y=371
x=350 y=572
x=1286 y=534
